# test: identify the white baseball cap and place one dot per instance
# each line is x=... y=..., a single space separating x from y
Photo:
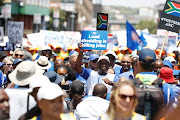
x=103 y=58
x=110 y=52
x=170 y=58
x=50 y=92
x=38 y=81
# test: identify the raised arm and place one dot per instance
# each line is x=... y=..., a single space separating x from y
x=79 y=59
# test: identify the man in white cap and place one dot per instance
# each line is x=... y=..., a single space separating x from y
x=50 y=101
x=34 y=85
x=95 y=77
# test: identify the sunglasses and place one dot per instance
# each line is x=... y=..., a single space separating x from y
x=126 y=62
x=19 y=55
x=46 y=51
x=9 y=64
x=94 y=61
x=124 y=97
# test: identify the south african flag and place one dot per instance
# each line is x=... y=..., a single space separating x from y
x=102 y=21
x=173 y=9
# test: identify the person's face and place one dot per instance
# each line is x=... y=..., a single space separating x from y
x=62 y=72
x=112 y=59
x=52 y=108
x=73 y=62
x=4 y=105
x=47 y=53
x=126 y=63
x=158 y=66
x=126 y=99
x=93 y=64
x=8 y=67
x=103 y=66
x=19 y=54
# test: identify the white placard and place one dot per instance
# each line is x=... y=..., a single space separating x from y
x=15 y=32
x=51 y=37
x=6 y=11
x=70 y=38
x=36 y=40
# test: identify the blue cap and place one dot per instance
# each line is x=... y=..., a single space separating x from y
x=73 y=52
x=93 y=56
x=167 y=63
x=147 y=52
x=1 y=64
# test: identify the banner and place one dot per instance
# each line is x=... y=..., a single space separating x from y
x=102 y=21
x=170 y=18
x=94 y=40
x=15 y=32
x=51 y=37
x=133 y=39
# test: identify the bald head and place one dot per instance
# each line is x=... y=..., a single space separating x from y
x=100 y=90
x=4 y=105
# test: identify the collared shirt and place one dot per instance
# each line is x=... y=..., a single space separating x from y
x=128 y=75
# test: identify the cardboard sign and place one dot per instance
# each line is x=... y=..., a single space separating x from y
x=170 y=18
x=102 y=21
x=1 y=35
x=15 y=32
x=94 y=40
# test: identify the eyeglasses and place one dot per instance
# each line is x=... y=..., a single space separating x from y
x=94 y=61
x=124 y=97
x=126 y=62
x=19 y=55
x=46 y=51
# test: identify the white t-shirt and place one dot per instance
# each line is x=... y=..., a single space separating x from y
x=91 y=108
x=94 y=78
x=18 y=102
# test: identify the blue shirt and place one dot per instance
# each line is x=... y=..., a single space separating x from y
x=128 y=75
x=117 y=69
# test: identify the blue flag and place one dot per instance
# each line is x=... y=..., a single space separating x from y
x=133 y=39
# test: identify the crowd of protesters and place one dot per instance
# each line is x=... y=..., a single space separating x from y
x=51 y=83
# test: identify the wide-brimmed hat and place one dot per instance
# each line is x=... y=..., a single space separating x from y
x=166 y=74
x=23 y=73
x=53 y=76
x=50 y=92
x=44 y=48
x=42 y=63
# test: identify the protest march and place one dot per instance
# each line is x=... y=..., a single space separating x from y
x=95 y=74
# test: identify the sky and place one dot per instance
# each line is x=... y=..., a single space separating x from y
x=133 y=3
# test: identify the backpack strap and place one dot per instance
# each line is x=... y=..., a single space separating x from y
x=158 y=81
x=137 y=81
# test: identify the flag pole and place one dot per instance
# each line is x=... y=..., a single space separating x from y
x=163 y=43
